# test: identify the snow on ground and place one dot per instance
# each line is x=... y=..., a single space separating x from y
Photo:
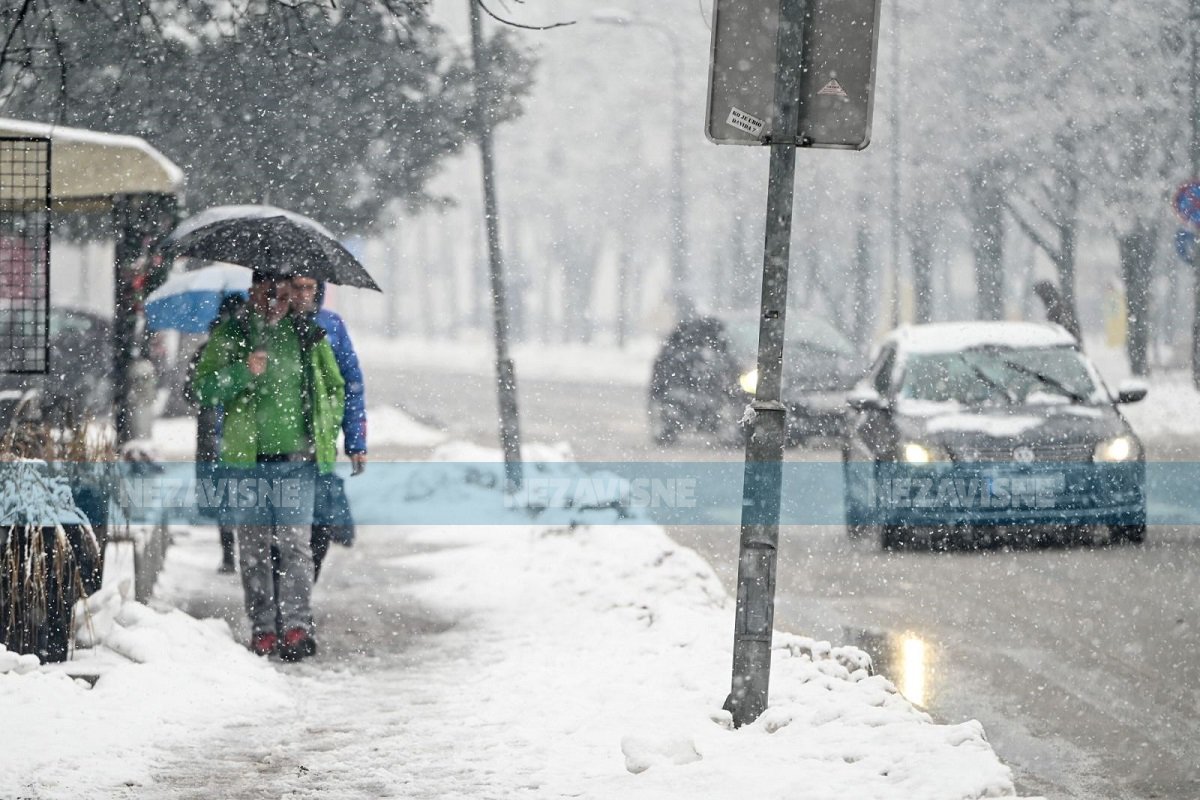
x=1171 y=409
x=391 y=426
x=175 y=437
x=608 y=654
x=484 y=662
x=473 y=354
x=166 y=678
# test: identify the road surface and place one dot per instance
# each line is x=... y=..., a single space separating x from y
x=1079 y=661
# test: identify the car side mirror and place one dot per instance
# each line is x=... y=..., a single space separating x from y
x=866 y=400
x=1131 y=391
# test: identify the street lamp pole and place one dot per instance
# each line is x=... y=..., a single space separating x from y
x=894 y=228
x=1195 y=148
x=1194 y=154
x=681 y=299
x=506 y=376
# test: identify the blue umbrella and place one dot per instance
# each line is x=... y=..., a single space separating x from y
x=189 y=301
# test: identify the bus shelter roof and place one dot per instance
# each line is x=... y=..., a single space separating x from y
x=88 y=168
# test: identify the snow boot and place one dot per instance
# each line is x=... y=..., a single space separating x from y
x=264 y=644
x=297 y=644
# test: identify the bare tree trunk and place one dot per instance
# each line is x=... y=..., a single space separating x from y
x=745 y=288
x=1065 y=266
x=720 y=279
x=579 y=262
x=425 y=272
x=622 y=320
x=986 y=211
x=1137 y=259
x=861 y=299
x=920 y=238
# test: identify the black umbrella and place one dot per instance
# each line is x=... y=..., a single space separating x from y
x=277 y=244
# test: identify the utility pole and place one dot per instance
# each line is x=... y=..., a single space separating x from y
x=506 y=374
x=1195 y=148
x=894 y=228
x=1194 y=154
x=763 y=478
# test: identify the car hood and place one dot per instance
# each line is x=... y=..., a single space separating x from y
x=1069 y=429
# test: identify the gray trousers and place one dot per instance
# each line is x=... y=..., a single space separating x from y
x=292 y=598
x=279 y=594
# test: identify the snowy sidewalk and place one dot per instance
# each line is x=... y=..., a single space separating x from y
x=476 y=662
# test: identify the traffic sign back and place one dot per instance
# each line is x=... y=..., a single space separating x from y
x=837 y=79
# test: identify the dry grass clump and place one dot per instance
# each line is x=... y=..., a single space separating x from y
x=44 y=537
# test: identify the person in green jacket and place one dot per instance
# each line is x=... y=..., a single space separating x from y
x=275 y=376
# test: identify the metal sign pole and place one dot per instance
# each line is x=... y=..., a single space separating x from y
x=762 y=483
x=506 y=376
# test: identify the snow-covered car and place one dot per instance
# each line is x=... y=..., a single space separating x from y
x=983 y=428
x=706 y=374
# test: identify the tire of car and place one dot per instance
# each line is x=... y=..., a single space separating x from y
x=853 y=509
x=795 y=436
x=665 y=427
x=1128 y=534
x=892 y=537
x=857 y=530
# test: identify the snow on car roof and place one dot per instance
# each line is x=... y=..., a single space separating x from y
x=948 y=337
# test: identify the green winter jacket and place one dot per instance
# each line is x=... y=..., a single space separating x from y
x=223 y=379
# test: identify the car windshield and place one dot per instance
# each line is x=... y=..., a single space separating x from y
x=1000 y=376
x=805 y=331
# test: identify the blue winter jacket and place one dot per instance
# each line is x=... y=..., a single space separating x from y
x=354 y=419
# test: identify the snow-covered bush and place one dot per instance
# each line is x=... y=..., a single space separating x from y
x=47 y=545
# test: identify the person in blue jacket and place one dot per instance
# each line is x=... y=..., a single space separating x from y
x=331 y=513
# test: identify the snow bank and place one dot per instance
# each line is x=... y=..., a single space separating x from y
x=1171 y=409
x=175 y=437
x=603 y=654
x=11 y=662
x=582 y=660
x=391 y=426
x=165 y=679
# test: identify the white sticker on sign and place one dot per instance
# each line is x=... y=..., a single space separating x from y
x=834 y=88
x=744 y=122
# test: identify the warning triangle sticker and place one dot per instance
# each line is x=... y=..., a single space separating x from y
x=834 y=88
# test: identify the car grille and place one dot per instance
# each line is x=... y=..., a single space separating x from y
x=1041 y=453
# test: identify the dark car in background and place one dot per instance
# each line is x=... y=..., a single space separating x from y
x=78 y=382
x=989 y=429
x=706 y=373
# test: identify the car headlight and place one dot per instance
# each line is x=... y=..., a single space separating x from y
x=1116 y=449
x=917 y=453
x=749 y=381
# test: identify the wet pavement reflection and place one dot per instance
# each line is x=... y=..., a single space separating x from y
x=906 y=659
